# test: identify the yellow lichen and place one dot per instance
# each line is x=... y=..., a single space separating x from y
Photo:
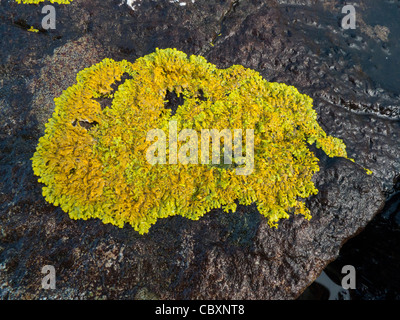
x=39 y=1
x=32 y=29
x=102 y=171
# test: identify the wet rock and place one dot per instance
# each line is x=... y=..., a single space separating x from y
x=221 y=256
x=58 y=73
x=228 y=256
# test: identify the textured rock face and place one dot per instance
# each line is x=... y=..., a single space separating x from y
x=221 y=256
x=230 y=256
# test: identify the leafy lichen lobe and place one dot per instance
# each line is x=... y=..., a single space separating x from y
x=92 y=158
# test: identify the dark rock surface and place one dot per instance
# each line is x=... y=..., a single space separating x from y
x=221 y=256
x=230 y=256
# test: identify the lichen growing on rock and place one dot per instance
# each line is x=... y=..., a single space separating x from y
x=39 y=1
x=92 y=158
x=32 y=29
